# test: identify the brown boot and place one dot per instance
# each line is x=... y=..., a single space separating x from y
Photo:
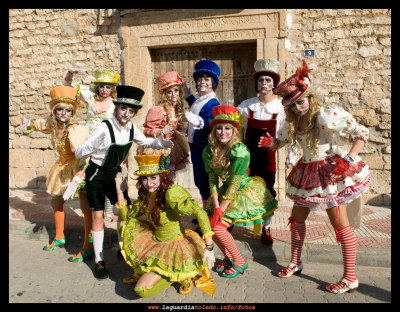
x=266 y=237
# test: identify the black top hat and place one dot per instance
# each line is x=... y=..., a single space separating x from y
x=129 y=95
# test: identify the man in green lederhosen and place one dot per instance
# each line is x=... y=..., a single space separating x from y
x=108 y=146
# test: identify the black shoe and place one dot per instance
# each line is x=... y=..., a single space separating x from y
x=198 y=231
x=119 y=254
x=229 y=229
x=100 y=271
x=195 y=221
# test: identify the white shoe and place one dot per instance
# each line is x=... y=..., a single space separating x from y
x=291 y=269
x=340 y=289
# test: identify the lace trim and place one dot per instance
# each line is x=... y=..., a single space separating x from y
x=300 y=132
x=207 y=96
x=361 y=137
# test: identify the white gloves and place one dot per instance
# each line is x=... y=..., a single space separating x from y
x=71 y=188
x=209 y=257
x=230 y=102
x=186 y=91
x=100 y=140
x=292 y=155
x=165 y=142
x=121 y=179
x=195 y=120
x=26 y=122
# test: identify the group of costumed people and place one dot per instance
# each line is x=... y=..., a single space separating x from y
x=233 y=152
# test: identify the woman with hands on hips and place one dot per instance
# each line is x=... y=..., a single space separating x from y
x=325 y=177
x=159 y=249
x=240 y=200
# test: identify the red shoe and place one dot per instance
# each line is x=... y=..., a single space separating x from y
x=266 y=237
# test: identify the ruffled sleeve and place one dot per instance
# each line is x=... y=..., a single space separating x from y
x=181 y=202
x=240 y=160
x=155 y=119
x=336 y=120
x=212 y=177
x=134 y=212
x=78 y=134
x=283 y=135
x=86 y=94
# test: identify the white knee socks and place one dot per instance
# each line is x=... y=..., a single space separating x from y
x=98 y=238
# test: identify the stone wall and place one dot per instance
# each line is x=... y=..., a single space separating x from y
x=44 y=43
x=351 y=68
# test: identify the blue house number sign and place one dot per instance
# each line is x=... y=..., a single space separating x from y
x=309 y=52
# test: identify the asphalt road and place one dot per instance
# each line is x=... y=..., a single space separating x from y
x=38 y=276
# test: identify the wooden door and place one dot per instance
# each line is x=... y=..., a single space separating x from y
x=236 y=62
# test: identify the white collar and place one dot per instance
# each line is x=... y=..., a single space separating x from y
x=204 y=97
x=118 y=125
x=273 y=107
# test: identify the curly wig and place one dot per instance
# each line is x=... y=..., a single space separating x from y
x=312 y=117
x=165 y=183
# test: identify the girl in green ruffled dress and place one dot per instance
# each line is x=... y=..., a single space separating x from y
x=159 y=249
x=240 y=200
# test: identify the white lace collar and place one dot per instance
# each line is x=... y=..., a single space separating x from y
x=273 y=107
x=205 y=97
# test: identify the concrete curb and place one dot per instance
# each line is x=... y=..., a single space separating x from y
x=250 y=249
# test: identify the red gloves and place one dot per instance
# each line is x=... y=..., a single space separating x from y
x=216 y=217
x=341 y=167
x=265 y=140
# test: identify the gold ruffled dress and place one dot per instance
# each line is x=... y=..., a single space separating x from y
x=63 y=171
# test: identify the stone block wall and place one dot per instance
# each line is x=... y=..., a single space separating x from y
x=43 y=45
x=351 y=68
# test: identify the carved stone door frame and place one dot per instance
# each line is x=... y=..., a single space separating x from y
x=142 y=32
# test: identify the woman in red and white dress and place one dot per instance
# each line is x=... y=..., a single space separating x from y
x=325 y=177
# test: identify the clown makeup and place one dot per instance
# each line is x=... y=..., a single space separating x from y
x=223 y=132
x=300 y=107
x=204 y=85
x=265 y=84
x=151 y=183
x=172 y=94
x=104 y=90
x=125 y=113
x=63 y=113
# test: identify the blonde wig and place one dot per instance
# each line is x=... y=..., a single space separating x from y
x=312 y=116
x=56 y=124
x=215 y=145
x=168 y=107
x=97 y=95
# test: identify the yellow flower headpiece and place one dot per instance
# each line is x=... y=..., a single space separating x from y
x=227 y=114
x=105 y=75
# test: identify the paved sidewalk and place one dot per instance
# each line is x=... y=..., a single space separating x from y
x=31 y=217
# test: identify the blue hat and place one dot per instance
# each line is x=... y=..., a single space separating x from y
x=207 y=67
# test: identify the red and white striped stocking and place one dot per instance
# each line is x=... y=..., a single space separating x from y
x=298 y=235
x=228 y=243
x=349 y=252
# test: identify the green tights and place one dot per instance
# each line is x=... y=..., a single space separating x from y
x=149 y=291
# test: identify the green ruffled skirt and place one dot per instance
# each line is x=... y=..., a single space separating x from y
x=177 y=259
x=251 y=205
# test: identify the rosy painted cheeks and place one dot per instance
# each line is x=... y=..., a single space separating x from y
x=63 y=114
x=172 y=95
x=300 y=107
x=125 y=113
x=224 y=133
x=104 y=90
x=151 y=183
